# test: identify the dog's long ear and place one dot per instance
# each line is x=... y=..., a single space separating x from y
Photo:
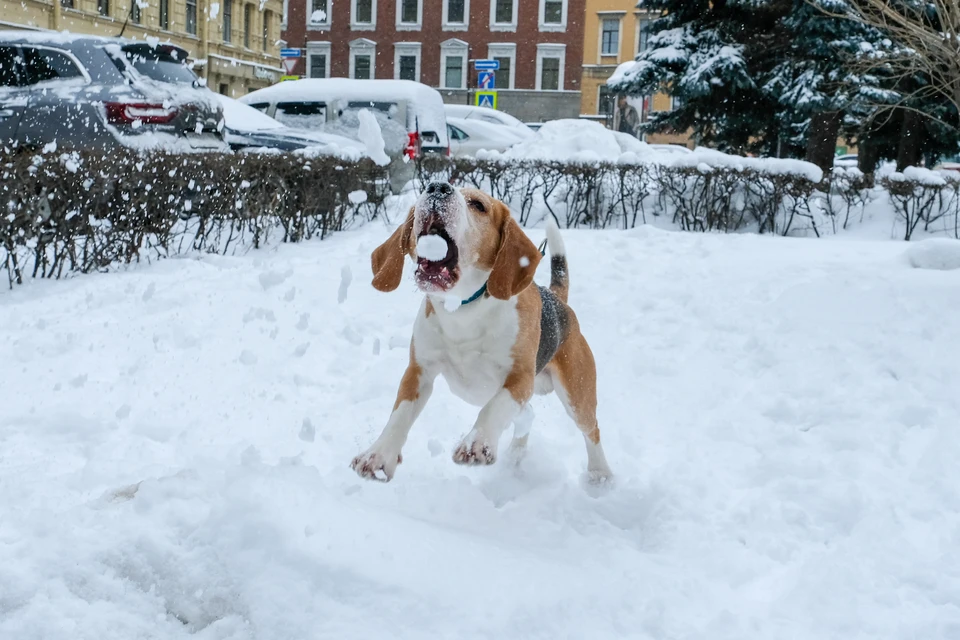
x=516 y=261
x=387 y=259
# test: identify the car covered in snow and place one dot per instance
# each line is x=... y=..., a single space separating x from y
x=246 y=129
x=467 y=137
x=89 y=92
x=490 y=116
x=410 y=114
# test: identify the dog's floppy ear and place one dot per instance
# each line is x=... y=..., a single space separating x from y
x=387 y=259
x=516 y=261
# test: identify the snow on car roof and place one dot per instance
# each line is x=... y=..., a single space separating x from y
x=428 y=105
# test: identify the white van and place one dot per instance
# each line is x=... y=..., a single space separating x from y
x=316 y=103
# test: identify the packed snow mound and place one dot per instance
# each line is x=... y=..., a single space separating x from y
x=370 y=135
x=940 y=254
x=571 y=140
x=707 y=159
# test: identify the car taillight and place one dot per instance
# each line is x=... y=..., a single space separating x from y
x=413 y=145
x=143 y=112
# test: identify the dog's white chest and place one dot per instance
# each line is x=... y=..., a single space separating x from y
x=470 y=348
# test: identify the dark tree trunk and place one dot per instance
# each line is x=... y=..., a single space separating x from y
x=911 y=141
x=822 y=141
x=868 y=156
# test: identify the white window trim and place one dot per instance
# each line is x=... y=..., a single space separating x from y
x=453 y=48
x=318 y=26
x=363 y=47
x=410 y=26
x=405 y=49
x=504 y=50
x=503 y=26
x=551 y=51
x=456 y=26
x=619 y=19
x=640 y=19
x=363 y=26
x=318 y=47
x=544 y=27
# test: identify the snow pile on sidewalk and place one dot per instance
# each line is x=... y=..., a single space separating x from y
x=782 y=416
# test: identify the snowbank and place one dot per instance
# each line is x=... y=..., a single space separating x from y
x=939 y=254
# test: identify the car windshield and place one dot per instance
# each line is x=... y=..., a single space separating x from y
x=162 y=63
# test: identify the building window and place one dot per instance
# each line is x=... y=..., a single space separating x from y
x=409 y=12
x=227 y=20
x=505 y=54
x=363 y=55
x=550 y=63
x=66 y=4
x=643 y=34
x=455 y=12
x=191 y=17
x=406 y=61
x=363 y=12
x=503 y=14
x=610 y=37
x=165 y=14
x=247 y=23
x=267 y=20
x=453 y=64
x=606 y=100
x=135 y=11
x=553 y=15
x=319 y=13
x=224 y=88
x=318 y=59
x=103 y=7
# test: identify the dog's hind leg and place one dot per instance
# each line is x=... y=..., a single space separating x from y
x=521 y=432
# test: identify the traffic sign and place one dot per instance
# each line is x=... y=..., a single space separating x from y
x=486 y=99
x=289 y=53
x=285 y=78
x=486 y=65
x=487 y=80
x=289 y=64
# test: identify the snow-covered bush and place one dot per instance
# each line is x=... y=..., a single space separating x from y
x=921 y=196
x=82 y=212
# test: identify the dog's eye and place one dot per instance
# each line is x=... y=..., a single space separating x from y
x=476 y=204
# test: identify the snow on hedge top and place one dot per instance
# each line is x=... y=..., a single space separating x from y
x=586 y=141
x=919 y=175
x=426 y=110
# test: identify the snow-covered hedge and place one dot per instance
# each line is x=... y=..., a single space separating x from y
x=76 y=212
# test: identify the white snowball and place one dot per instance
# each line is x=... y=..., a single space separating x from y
x=432 y=248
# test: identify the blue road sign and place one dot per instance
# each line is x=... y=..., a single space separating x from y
x=486 y=65
x=487 y=80
x=289 y=53
x=487 y=99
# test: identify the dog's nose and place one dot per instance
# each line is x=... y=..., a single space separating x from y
x=439 y=189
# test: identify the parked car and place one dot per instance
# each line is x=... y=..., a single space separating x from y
x=246 y=129
x=846 y=160
x=469 y=136
x=491 y=116
x=102 y=93
x=674 y=149
x=410 y=114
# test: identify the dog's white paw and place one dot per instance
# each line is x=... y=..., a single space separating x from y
x=475 y=451
x=376 y=465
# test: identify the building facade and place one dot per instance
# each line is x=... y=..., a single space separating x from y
x=232 y=43
x=614 y=33
x=539 y=44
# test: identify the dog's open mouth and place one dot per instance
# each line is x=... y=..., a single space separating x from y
x=436 y=273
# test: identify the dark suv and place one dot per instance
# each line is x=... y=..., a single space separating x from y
x=101 y=93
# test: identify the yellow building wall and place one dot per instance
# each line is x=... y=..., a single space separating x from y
x=229 y=68
x=597 y=68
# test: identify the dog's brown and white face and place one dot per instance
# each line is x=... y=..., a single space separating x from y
x=483 y=244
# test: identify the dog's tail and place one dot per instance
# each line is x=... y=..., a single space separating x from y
x=559 y=279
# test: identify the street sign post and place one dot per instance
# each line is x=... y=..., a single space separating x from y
x=486 y=65
x=289 y=64
x=487 y=80
x=289 y=53
x=486 y=99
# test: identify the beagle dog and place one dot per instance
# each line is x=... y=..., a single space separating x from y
x=495 y=336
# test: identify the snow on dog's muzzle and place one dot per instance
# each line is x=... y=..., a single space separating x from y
x=438 y=256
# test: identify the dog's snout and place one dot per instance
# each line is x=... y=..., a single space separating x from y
x=439 y=189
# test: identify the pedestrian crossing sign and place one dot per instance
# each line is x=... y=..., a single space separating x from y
x=486 y=99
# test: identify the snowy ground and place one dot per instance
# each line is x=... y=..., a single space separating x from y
x=782 y=415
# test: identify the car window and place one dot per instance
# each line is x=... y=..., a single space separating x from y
x=9 y=67
x=308 y=115
x=389 y=108
x=162 y=63
x=456 y=134
x=261 y=106
x=43 y=65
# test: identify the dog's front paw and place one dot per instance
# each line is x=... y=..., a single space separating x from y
x=475 y=451
x=376 y=465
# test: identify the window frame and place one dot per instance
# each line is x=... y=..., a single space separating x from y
x=409 y=26
x=552 y=27
x=551 y=50
x=226 y=25
x=603 y=19
x=163 y=15
x=406 y=49
x=187 y=5
x=505 y=50
x=317 y=26
x=363 y=47
x=25 y=72
x=503 y=26
x=318 y=48
x=247 y=24
x=641 y=20
x=455 y=26
x=356 y=25
x=454 y=48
